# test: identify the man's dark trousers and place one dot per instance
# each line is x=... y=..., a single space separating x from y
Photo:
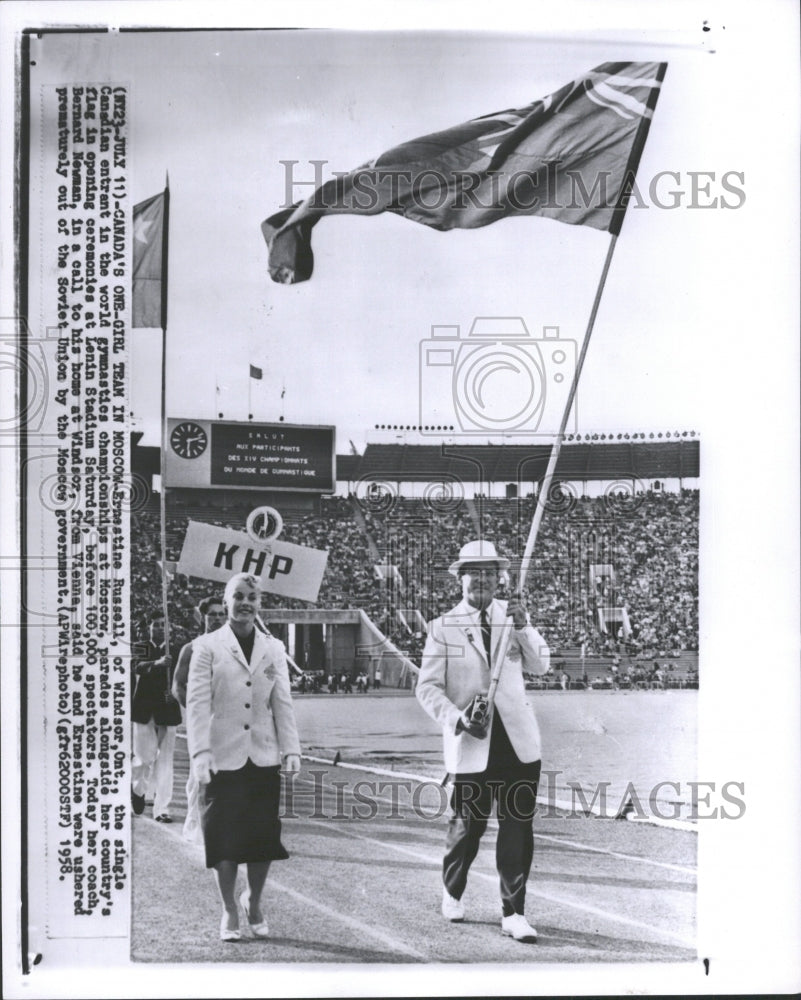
x=512 y=786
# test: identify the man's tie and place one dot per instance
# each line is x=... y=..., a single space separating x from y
x=486 y=632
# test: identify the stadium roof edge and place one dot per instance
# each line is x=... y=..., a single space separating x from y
x=593 y=460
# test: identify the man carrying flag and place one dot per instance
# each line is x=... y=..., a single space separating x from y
x=494 y=760
x=571 y=156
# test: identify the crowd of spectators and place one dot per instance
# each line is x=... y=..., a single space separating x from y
x=636 y=674
x=650 y=540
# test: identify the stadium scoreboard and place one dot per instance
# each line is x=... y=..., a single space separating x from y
x=220 y=454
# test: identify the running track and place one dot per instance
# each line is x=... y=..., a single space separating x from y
x=367 y=890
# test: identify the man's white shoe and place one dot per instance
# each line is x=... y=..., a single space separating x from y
x=452 y=909
x=517 y=927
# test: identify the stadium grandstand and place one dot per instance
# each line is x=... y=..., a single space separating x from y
x=613 y=585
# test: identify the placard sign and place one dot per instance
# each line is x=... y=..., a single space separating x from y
x=215 y=553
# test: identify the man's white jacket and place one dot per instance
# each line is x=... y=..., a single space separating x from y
x=240 y=710
x=454 y=669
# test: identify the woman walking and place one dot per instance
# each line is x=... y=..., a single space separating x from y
x=241 y=729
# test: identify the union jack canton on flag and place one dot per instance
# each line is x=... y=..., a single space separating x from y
x=571 y=156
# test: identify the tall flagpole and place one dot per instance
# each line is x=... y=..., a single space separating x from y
x=163 y=460
x=542 y=496
x=616 y=222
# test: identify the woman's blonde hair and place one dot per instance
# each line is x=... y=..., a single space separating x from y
x=244 y=579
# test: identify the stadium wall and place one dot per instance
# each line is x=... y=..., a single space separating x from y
x=354 y=644
x=497 y=471
x=509 y=470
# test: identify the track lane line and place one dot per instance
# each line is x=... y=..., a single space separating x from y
x=394 y=944
x=577 y=845
x=386 y=939
x=436 y=862
x=685 y=869
x=549 y=897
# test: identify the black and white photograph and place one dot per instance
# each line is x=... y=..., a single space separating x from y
x=400 y=494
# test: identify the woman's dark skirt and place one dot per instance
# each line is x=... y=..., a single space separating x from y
x=239 y=816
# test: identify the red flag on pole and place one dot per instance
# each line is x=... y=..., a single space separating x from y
x=150 y=262
x=571 y=156
x=149 y=309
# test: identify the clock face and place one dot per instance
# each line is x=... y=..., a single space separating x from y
x=188 y=440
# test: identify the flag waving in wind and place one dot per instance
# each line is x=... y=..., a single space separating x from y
x=149 y=309
x=571 y=156
x=149 y=262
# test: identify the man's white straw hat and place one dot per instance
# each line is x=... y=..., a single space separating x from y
x=480 y=553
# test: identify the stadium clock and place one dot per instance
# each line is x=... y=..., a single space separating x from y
x=188 y=440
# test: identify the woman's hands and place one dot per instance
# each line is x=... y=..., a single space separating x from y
x=201 y=767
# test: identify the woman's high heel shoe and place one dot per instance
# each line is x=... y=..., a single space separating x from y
x=260 y=930
x=226 y=933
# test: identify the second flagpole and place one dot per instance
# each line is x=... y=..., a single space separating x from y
x=162 y=470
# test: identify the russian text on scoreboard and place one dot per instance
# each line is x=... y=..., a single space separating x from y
x=225 y=454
